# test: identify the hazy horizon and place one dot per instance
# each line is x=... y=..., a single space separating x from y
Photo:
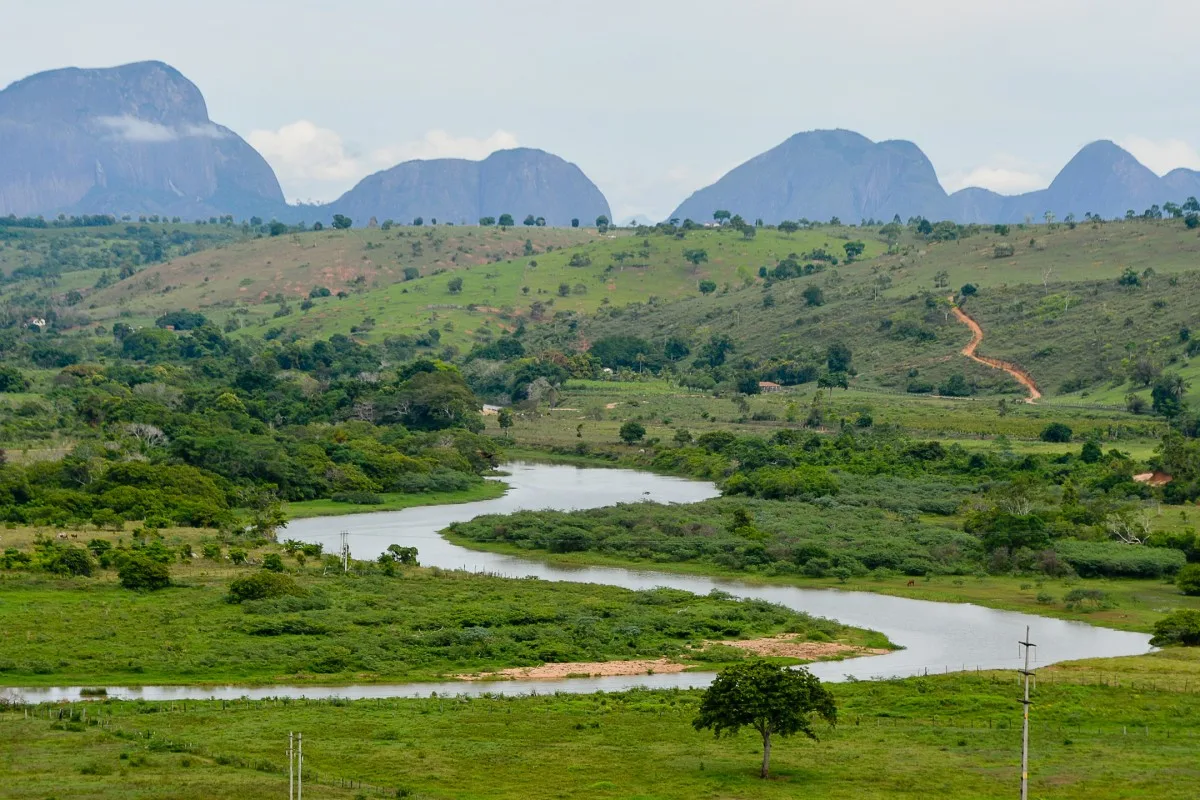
x=653 y=101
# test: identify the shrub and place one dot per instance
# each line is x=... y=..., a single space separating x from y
x=69 y=561
x=143 y=573
x=263 y=585
x=1188 y=580
x=1181 y=626
x=1056 y=432
x=632 y=431
x=272 y=562
x=1087 y=599
x=1115 y=559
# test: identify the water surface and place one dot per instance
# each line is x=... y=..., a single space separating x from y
x=937 y=637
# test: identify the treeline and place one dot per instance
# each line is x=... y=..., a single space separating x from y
x=203 y=426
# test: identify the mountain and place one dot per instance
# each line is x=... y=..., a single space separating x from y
x=131 y=139
x=520 y=182
x=1102 y=179
x=823 y=174
x=1184 y=183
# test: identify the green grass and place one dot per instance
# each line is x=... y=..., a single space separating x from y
x=362 y=262
x=395 y=501
x=418 y=625
x=1099 y=731
x=662 y=407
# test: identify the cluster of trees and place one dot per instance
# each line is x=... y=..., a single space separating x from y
x=184 y=426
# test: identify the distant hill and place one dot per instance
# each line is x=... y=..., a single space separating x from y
x=1101 y=179
x=129 y=139
x=520 y=182
x=823 y=174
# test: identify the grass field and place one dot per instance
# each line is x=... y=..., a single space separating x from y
x=592 y=412
x=1105 y=729
x=368 y=626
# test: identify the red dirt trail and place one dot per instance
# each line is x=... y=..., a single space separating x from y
x=1019 y=375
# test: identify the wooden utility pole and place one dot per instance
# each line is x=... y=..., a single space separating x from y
x=345 y=551
x=291 y=759
x=1028 y=645
x=300 y=769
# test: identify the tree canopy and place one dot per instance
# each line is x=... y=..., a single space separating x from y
x=768 y=698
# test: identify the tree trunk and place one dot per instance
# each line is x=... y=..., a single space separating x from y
x=766 y=765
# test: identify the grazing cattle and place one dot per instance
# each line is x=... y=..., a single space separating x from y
x=62 y=536
x=912 y=583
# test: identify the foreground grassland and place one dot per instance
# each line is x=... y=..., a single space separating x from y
x=1103 y=729
x=416 y=624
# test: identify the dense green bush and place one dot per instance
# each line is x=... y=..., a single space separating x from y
x=1181 y=626
x=68 y=560
x=1188 y=580
x=1115 y=559
x=143 y=573
x=262 y=585
x=776 y=483
x=1057 y=432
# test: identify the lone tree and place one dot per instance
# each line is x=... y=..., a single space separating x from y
x=505 y=419
x=695 y=257
x=341 y=222
x=768 y=698
x=708 y=287
x=506 y=221
x=632 y=431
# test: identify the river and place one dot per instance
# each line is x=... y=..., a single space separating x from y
x=936 y=637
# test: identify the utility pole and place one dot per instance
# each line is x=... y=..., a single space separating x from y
x=1028 y=645
x=300 y=771
x=291 y=760
x=345 y=551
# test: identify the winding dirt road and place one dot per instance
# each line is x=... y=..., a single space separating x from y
x=1019 y=375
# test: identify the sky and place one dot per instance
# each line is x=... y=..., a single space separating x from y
x=653 y=99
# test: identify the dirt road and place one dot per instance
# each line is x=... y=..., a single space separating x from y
x=1019 y=375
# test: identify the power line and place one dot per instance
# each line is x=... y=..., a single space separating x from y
x=1028 y=645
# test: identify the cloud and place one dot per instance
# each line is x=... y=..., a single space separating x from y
x=1002 y=179
x=315 y=163
x=127 y=128
x=1162 y=155
x=303 y=152
x=440 y=144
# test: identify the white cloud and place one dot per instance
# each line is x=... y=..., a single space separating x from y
x=1005 y=180
x=315 y=163
x=128 y=128
x=440 y=144
x=303 y=152
x=1162 y=155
